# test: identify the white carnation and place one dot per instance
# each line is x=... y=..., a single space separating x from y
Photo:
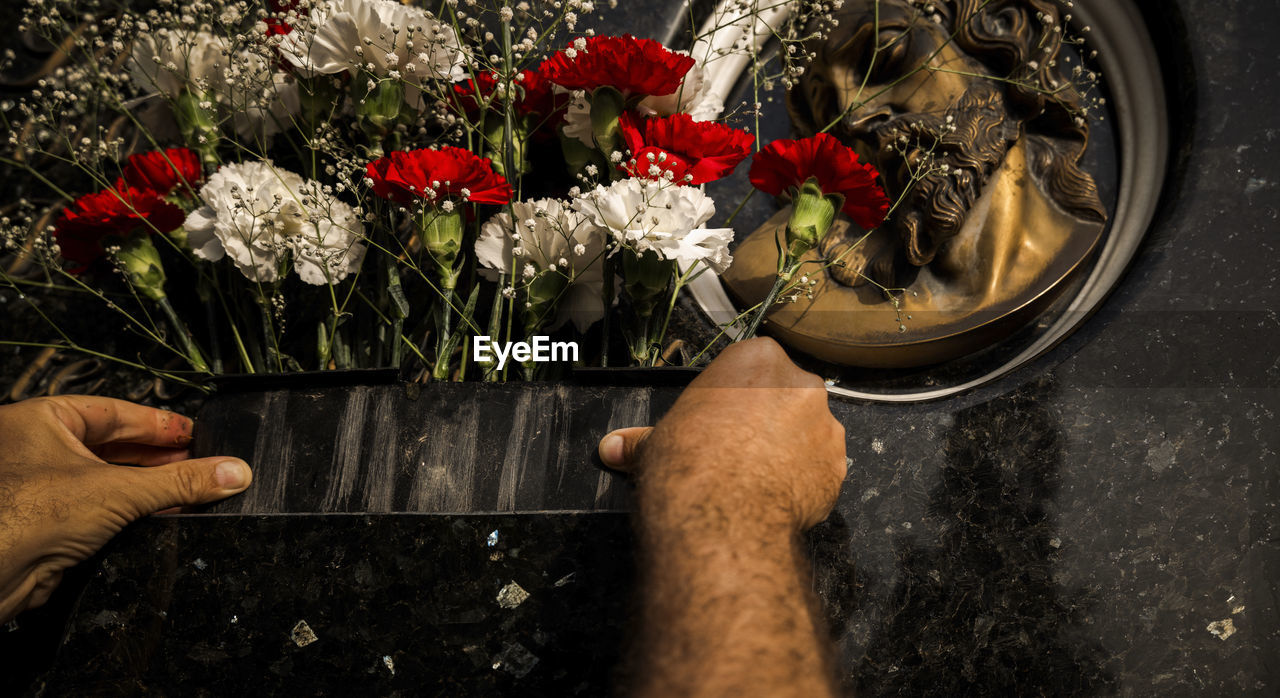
x=170 y=61
x=401 y=37
x=260 y=100
x=256 y=214
x=648 y=215
x=269 y=112
x=550 y=235
x=693 y=97
x=328 y=247
x=577 y=119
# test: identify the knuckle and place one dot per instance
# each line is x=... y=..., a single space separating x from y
x=189 y=484
x=766 y=345
x=807 y=379
x=52 y=412
x=756 y=349
x=635 y=447
x=48 y=406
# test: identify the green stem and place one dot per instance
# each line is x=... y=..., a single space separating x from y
x=107 y=357
x=269 y=334
x=641 y=344
x=671 y=306
x=448 y=284
x=729 y=221
x=211 y=321
x=188 y=342
x=609 y=273
x=783 y=278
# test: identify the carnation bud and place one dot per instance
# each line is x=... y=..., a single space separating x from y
x=198 y=126
x=812 y=213
x=379 y=109
x=141 y=263
x=442 y=235
x=607 y=105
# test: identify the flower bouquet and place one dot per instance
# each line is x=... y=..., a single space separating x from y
x=332 y=184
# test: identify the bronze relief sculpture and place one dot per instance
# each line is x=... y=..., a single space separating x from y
x=969 y=110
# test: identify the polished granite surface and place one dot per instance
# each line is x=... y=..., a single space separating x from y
x=352 y=605
x=1104 y=521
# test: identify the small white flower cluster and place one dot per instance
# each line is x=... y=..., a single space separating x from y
x=657 y=166
x=741 y=29
x=258 y=214
x=20 y=231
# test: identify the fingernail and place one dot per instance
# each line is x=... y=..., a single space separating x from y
x=232 y=475
x=611 y=449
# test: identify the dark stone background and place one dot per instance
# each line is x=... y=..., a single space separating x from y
x=1071 y=530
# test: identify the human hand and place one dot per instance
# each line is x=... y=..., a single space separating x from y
x=61 y=499
x=750 y=441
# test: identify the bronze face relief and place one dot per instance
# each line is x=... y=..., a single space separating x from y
x=967 y=109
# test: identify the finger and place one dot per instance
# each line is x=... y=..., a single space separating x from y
x=185 y=483
x=99 y=420
x=618 y=449
x=133 y=454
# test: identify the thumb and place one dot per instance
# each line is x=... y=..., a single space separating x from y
x=191 y=482
x=619 y=448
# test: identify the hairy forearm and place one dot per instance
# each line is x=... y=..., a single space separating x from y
x=727 y=606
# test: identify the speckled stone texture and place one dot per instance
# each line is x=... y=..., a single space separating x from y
x=353 y=605
x=1103 y=522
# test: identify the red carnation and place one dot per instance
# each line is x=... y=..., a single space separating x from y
x=534 y=93
x=277 y=27
x=703 y=150
x=540 y=95
x=786 y=164
x=435 y=175
x=114 y=212
x=633 y=66
x=163 y=172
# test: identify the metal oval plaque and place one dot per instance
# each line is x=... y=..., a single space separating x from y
x=1029 y=213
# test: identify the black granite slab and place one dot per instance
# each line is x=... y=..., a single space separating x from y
x=351 y=605
x=439 y=447
x=1102 y=522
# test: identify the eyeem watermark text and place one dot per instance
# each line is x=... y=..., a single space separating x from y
x=539 y=350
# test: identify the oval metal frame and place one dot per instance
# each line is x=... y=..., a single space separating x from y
x=1136 y=92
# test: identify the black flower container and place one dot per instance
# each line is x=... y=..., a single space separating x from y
x=361 y=441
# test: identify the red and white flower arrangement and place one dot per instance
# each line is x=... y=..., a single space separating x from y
x=348 y=183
